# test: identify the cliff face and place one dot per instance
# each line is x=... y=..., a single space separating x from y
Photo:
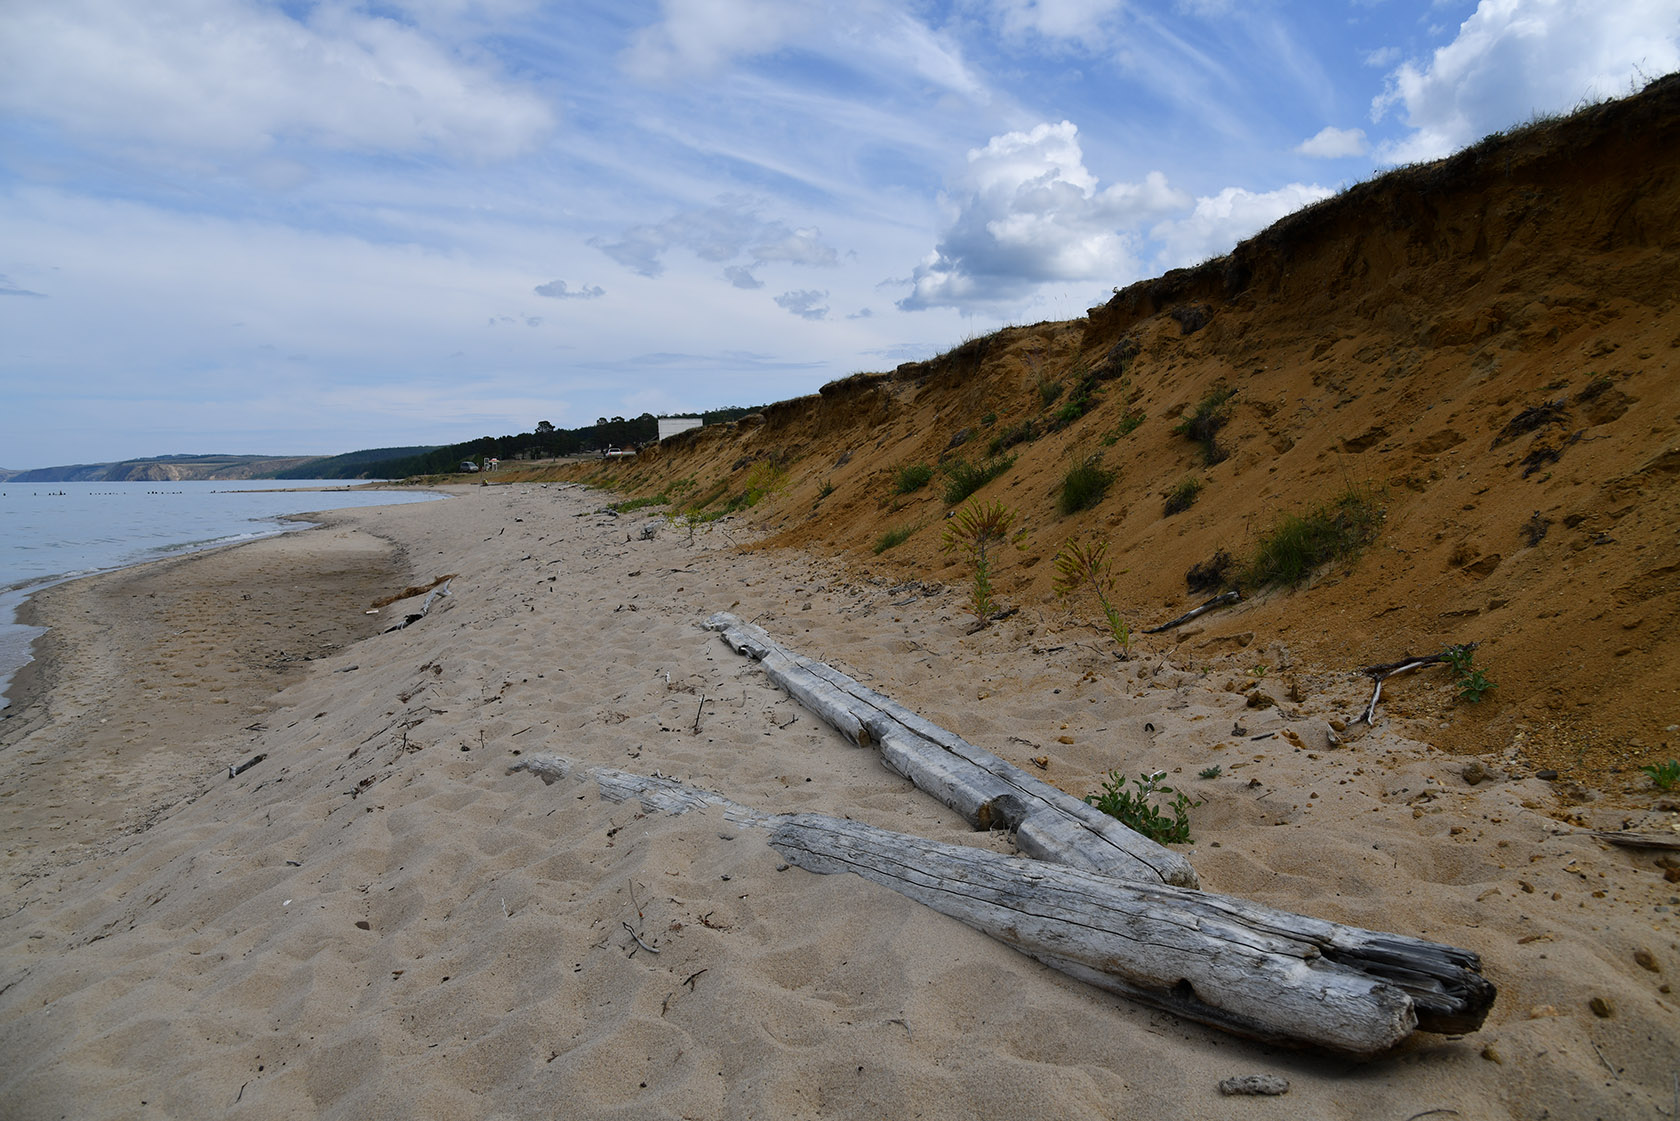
x=1488 y=347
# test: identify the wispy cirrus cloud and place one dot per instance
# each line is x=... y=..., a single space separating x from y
x=234 y=76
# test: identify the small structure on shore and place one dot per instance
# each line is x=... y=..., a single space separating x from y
x=671 y=425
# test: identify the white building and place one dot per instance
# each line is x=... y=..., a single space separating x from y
x=671 y=425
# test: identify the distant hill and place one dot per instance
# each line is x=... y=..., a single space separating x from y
x=164 y=469
x=351 y=465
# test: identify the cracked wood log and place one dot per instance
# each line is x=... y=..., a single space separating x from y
x=1049 y=824
x=1250 y=970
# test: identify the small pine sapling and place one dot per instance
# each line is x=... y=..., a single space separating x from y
x=1086 y=566
x=977 y=531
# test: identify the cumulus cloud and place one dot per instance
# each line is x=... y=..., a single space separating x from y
x=1219 y=221
x=236 y=77
x=557 y=290
x=1028 y=212
x=805 y=303
x=1514 y=58
x=1331 y=143
x=731 y=229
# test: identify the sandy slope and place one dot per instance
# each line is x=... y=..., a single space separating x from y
x=380 y=921
x=1488 y=347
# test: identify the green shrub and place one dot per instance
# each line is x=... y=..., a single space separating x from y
x=1019 y=433
x=1297 y=544
x=1049 y=391
x=765 y=478
x=894 y=537
x=1134 y=810
x=1080 y=401
x=1182 y=497
x=638 y=503
x=1209 y=772
x=965 y=478
x=1471 y=682
x=1084 y=486
x=1205 y=421
x=1665 y=775
x=1128 y=424
x=912 y=477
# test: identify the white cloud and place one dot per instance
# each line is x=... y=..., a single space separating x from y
x=1056 y=19
x=1514 y=58
x=723 y=232
x=557 y=290
x=1331 y=143
x=234 y=76
x=1219 y=221
x=806 y=303
x=1028 y=212
x=700 y=38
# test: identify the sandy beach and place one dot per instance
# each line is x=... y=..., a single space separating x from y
x=379 y=920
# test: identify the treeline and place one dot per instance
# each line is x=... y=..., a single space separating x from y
x=543 y=442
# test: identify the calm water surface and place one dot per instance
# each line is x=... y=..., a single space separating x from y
x=52 y=531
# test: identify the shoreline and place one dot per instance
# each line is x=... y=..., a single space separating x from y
x=380 y=920
x=165 y=650
x=15 y=599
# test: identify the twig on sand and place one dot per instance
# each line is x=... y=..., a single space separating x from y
x=235 y=772
x=632 y=932
x=698 y=712
x=1382 y=673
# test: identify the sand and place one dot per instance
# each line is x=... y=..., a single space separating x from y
x=378 y=920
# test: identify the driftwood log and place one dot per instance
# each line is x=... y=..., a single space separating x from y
x=1218 y=601
x=1048 y=823
x=1247 y=969
x=425 y=608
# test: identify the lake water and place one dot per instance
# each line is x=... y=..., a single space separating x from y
x=53 y=531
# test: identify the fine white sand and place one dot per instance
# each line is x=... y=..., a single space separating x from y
x=378 y=920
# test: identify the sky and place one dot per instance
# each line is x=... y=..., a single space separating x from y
x=316 y=226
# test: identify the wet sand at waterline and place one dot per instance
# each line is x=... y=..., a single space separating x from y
x=378 y=920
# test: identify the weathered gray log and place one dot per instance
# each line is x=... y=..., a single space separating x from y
x=1251 y=970
x=1218 y=601
x=991 y=793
